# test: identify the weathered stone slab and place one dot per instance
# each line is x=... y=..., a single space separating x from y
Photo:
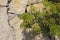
x=24 y=2
x=5 y=33
x=15 y=22
x=17 y=6
x=56 y=37
x=3 y=2
x=33 y=1
x=38 y=7
x=11 y=16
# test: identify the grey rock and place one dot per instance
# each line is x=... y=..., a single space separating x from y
x=3 y=2
x=34 y=1
x=11 y=16
x=38 y=7
x=18 y=6
x=5 y=33
x=15 y=22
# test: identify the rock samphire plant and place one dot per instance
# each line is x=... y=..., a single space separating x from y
x=46 y=22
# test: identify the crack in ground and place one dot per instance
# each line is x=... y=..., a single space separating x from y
x=11 y=27
x=12 y=31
